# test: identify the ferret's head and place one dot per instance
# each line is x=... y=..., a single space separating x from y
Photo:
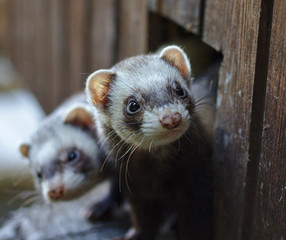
x=63 y=155
x=145 y=99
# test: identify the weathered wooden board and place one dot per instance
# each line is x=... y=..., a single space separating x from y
x=132 y=29
x=270 y=217
x=42 y=53
x=232 y=26
x=77 y=33
x=184 y=12
x=58 y=82
x=91 y=39
x=55 y=44
x=102 y=34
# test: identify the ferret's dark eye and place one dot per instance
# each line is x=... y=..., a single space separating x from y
x=73 y=156
x=133 y=107
x=39 y=175
x=180 y=91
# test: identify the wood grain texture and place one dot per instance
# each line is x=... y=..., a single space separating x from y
x=218 y=21
x=102 y=34
x=132 y=29
x=78 y=16
x=42 y=54
x=256 y=128
x=28 y=36
x=270 y=218
x=57 y=33
x=232 y=26
x=184 y=12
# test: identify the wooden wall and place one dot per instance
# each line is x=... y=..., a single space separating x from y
x=250 y=143
x=55 y=44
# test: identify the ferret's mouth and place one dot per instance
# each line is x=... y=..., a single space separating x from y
x=170 y=135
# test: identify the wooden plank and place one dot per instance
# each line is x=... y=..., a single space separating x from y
x=160 y=31
x=102 y=34
x=77 y=44
x=217 y=21
x=28 y=36
x=9 y=36
x=58 y=81
x=184 y=12
x=8 y=26
x=255 y=138
x=42 y=53
x=270 y=218
x=232 y=26
x=132 y=37
x=18 y=36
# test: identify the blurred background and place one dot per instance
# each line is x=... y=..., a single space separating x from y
x=49 y=47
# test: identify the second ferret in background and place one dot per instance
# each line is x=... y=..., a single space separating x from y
x=149 y=119
x=65 y=156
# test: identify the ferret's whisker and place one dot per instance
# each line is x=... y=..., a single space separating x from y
x=109 y=155
x=128 y=148
x=108 y=136
x=188 y=139
x=150 y=145
x=179 y=145
x=199 y=106
x=120 y=171
x=195 y=132
x=112 y=152
x=124 y=154
x=203 y=98
x=83 y=73
x=119 y=150
x=30 y=201
x=23 y=195
x=122 y=145
x=132 y=123
x=127 y=164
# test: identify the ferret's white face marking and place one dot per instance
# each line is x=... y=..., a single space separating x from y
x=63 y=137
x=160 y=91
x=67 y=158
x=73 y=185
x=153 y=130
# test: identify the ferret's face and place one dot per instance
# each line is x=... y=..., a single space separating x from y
x=64 y=156
x=150 y=106
x=65 y=164
x=148 y=99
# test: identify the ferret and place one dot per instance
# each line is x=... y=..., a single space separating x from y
x=146 y=113
x=64 y=153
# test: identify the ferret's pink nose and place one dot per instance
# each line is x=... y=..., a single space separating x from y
x=56 y=193
x=171 y=120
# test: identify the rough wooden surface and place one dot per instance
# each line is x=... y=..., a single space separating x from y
x=270 y=218
x=77 y=35
x=56 y=65
x=132 y=29
x=232 y=26
x=184 y=12
x=55 y=44
x=103 y=34
x=256 y=128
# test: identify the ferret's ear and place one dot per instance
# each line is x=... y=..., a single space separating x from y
x=80 y=117
x=98 y=85
x=24 y=149
x=178 y=58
